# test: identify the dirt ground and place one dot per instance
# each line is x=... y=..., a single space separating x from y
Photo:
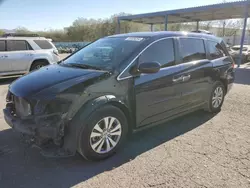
x=198 y=150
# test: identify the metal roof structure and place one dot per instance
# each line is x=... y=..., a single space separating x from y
x=220 y=11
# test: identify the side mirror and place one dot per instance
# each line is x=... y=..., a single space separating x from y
x=149 y=67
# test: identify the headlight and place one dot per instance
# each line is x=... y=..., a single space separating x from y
x=23 y=108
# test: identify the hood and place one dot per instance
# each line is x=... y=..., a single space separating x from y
x=48 y=76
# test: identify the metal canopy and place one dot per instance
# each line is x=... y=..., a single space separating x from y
x=220 y=11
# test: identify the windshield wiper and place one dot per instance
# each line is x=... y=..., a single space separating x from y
x=84 y=66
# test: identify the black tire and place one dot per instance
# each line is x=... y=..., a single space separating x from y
x=245 y=60
x=84 y=142
x=210 y=107
x=37 y=65
x=248 y=59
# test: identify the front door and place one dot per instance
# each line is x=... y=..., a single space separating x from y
x=157 y=95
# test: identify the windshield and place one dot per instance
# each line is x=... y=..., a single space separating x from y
x=238 y=48
x=104 y=53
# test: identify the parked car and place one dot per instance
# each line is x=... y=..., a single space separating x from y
x=90 y=103
x=20 y=55
x=235 y=52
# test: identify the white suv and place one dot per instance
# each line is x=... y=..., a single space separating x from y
x=20 y=55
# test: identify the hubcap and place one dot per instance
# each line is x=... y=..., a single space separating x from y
x=105 y=135
x=39 y=66
x=217 y=97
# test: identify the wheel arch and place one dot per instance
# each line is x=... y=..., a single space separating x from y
x=225 y=83
x=38 y=60
x=71 y=138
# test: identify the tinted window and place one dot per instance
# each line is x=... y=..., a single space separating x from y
x=2 y=45
x=215 y=50
x=17 y=45
x=192 y=49
x=162 y=52
x=43 y=44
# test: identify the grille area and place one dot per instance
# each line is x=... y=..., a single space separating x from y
x=20 y=107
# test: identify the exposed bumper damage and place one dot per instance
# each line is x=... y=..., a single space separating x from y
x=46 y=132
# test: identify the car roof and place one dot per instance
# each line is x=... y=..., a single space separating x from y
x=23 y=38
x=163 y=34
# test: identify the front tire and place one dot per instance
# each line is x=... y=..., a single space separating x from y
x=103 y=133
x=37 y=65
x=216 y=97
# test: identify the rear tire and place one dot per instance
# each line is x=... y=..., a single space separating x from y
x=216 y=97
x=97 y=142
x=37 y=65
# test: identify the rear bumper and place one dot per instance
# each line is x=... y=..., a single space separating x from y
x=29 y=126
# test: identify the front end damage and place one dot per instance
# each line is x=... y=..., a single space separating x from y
x=42 y=122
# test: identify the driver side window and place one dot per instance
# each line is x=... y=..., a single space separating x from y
x=161 y=52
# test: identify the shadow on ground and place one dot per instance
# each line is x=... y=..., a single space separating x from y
x=6 y=81
x=241 y=74
x=21 y=166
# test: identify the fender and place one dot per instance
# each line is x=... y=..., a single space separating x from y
x=72 y=129
x=42 y=58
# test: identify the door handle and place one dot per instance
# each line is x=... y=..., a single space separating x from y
x=179 y=79
x=186 y=78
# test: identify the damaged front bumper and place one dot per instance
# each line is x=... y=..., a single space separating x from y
x=29 y=125
x=41 y=130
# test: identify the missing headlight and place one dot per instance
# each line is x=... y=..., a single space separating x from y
x=22 y=107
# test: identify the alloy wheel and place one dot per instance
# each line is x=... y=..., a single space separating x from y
x=105 y=135
x=217 y=97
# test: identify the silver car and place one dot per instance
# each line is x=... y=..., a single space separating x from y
x=235 y=52
x=20 y=55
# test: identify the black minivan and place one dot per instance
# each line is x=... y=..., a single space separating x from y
x=92 y=99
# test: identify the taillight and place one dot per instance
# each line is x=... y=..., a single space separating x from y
x=233 y=62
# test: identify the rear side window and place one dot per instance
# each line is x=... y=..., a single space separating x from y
x=192 y=49
x=43 y=44
x=17 y=45
x=2 y=45
x=161 y=52
x=215 y=50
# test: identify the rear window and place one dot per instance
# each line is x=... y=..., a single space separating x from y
x=17 y=45
x=2 y=45
x=43 y=44
x=192 y=49
x=215 y=50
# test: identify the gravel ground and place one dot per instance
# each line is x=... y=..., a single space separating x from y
x=198 y=150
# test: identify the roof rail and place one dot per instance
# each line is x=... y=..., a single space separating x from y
x=20 y=35
x=202 y=31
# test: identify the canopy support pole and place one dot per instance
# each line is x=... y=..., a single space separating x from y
x=166 y=22
x=243 y=35
x=151 y=27
x=118 y=26
x=197 y=25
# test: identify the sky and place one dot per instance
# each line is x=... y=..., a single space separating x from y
x=56 y=14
